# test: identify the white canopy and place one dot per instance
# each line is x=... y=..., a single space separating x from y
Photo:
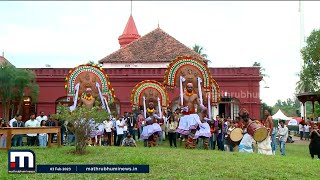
x=293 y=122
x=279 y=115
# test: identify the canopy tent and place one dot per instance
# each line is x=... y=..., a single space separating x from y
x=293 y=122
x=280 y=116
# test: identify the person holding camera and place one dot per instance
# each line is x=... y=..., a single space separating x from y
x=314 y=146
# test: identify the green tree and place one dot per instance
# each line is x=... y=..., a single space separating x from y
x=199 y=49
x=264 y=107
x=25 y=81
x=311 y=56
x=290 y=107
x=81 y=117
x=14 y=83
x=307 y=82
x=91 y=62
x=7 y=78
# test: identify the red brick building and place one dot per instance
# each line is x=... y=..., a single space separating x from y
x=147 y=57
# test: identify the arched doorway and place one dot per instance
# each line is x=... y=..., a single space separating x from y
x=27 y=108
x=229 y=106
x=63 y=100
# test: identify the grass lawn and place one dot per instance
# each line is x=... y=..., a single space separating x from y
x=168 y=163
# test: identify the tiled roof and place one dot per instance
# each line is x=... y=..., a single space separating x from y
x=156 y=46
x=3 y=60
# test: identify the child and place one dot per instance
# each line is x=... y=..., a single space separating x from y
x=3 y=137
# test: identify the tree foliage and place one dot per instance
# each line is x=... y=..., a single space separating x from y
x=307 y=82
x=290 y=107
x=81 y=118
x=310 y=74
x=14 y=84
x=200 y=50
x=264 y=106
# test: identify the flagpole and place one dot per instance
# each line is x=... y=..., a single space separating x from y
x=302 y=41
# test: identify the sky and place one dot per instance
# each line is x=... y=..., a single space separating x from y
x=233 y=33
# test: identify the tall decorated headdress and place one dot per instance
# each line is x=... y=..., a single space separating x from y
x=90 y=76
x=185 y=69
x=215 y=92
x=149 y=91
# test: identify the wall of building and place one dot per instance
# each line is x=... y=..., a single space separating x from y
x=241 y=83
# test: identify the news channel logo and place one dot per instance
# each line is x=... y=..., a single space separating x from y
x=21 y=161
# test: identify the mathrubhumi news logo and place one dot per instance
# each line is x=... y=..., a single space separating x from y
x=21 y=161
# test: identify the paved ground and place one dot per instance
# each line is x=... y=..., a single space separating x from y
x=298 y=141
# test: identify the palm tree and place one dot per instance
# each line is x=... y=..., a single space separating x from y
x=198 y=49
x=307 y=82
x=91 y=62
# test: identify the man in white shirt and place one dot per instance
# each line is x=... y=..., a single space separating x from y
x=41 y=117
x=301 y=130
x=125 y=127
x=32 y=138
x=18 y=116
x=306 y=131
x=17 y=139
x=108 y=124
x=119 y=126
x=283 y=136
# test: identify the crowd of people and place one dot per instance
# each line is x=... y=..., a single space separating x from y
x=193 y=128
x=304 y=130
x=40 y=139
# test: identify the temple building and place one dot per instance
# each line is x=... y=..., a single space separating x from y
x=147 y=57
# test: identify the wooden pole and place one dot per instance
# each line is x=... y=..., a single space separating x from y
x=313 y=109
x=9 y=137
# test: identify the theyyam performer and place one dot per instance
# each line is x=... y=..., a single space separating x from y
x=190 y=119
x=193 y=75
x=152 y=130
x=87 y=99
x=145 y=94
x=89 y=86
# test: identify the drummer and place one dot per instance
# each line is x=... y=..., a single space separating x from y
x=272 y=131
x=231 y=127
x=264 y=147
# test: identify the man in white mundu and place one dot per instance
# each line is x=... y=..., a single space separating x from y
x=190 y=120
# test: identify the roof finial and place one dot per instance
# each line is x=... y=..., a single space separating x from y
x=131 y=9
x=2 y=52
x=158 y=24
